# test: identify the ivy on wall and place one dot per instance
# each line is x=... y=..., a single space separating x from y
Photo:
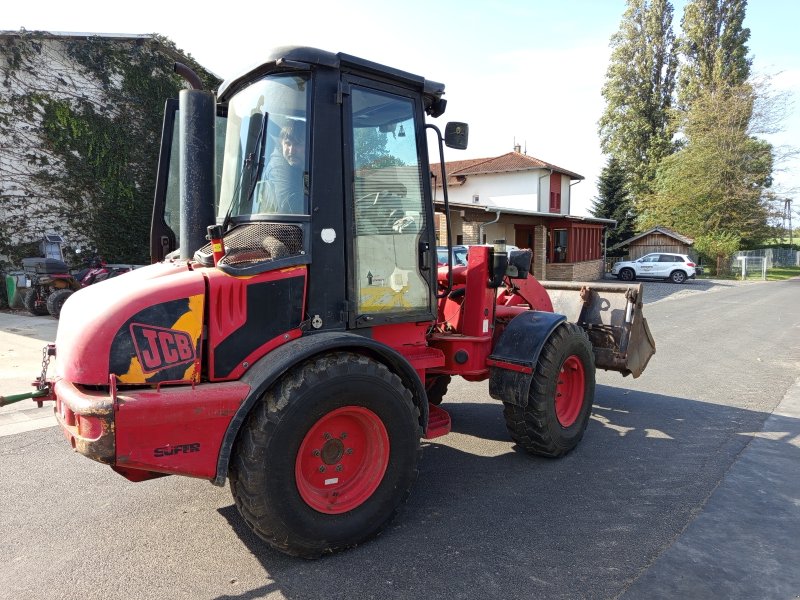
x=82 y=121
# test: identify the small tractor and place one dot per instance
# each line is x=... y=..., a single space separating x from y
x=50 y=284
x=302 y=353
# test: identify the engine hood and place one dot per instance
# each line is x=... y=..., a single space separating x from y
x=143 y=327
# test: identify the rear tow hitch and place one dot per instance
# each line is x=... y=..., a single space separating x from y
x=44 y=388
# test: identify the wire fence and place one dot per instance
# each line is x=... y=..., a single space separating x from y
x=750 y=267
x=774 y=257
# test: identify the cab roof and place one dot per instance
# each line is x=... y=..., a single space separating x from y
x=298 y=57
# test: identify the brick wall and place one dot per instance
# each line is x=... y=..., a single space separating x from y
x=540 y=252
x=591 y=270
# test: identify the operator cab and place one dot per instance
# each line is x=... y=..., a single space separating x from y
x=321 y=160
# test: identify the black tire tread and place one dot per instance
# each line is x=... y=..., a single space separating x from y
x=56 y=300
x=437 y=390
x=529 y=426
x=251 y=450
x=29 y=300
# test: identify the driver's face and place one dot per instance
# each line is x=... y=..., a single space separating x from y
x=294 y=151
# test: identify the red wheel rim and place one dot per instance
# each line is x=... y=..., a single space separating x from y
x=342 y=460
x=570 y=391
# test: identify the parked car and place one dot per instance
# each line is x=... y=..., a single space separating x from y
x=676 y=268
x=460 y=254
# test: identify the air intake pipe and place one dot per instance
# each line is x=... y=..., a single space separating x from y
x=196 y=123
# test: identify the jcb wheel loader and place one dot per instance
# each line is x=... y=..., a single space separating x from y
x=292 y=351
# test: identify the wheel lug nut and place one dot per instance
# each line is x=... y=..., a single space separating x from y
x=322 y=468
x=327 y=436
x=338 y=468
x=316 y=452
x=348 y=451
x=343 y=436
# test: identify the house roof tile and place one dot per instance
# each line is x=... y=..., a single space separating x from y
x=660 y=229
x=458 y=170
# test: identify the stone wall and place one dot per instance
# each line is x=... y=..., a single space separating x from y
x=583 y=271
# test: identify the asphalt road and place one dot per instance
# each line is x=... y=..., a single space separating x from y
x=687 y=484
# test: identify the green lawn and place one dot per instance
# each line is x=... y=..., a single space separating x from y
x=774 y=274
x=781 y=273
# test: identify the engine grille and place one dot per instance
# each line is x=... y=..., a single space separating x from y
x=253 y=243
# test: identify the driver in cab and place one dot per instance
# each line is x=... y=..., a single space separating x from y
x=285 y=172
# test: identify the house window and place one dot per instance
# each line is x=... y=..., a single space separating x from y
x=476 y=199
x=559 y=239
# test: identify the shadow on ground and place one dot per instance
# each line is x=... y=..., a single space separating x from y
x=483 y=524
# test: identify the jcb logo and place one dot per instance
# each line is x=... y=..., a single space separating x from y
x=159 y=348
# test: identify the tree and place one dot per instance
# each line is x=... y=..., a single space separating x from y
x=719 y=181
x=635 y=127
x=614 y=202
x=718 y=245
x=713 y=47
x=371 y=150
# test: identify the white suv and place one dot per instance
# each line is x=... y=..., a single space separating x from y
x=676 y=268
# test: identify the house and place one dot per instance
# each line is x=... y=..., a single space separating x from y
x=525 y=201
x=657 y=239
x=80 y=124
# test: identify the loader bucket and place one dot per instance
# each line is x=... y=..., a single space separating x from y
x=611 y=314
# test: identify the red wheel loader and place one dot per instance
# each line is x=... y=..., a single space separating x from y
x=300 y=340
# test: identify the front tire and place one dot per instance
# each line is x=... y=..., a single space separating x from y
x=327 y=456
x=33 y=304
x=560 y=397
x=55 y=301
x=627 y=275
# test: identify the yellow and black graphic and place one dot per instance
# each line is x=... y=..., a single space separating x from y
x=158 y=348
x=160 y=343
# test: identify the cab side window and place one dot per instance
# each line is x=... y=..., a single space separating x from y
x=388 y=207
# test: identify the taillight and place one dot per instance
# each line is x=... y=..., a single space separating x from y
x=690 y=264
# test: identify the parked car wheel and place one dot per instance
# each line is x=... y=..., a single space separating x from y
x=677 y=277
x=627 y=275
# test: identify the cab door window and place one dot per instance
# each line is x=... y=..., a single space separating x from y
x=388 y=204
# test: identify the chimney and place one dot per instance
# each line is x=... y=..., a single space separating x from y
x=517 y=148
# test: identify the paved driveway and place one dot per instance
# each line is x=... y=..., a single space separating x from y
x=655 y=291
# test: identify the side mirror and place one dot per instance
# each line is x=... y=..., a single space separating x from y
x=456 y=135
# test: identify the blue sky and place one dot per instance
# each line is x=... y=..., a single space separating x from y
x=528 y=70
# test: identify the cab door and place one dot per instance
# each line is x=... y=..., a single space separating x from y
x=391 y=268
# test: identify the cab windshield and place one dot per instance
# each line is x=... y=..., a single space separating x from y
x=265 y=165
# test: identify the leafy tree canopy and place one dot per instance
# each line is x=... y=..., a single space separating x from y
x=635 y=127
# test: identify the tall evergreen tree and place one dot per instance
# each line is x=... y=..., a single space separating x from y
x=614 y=202
x=640 y=82
x=713 y=46
x=718 y=183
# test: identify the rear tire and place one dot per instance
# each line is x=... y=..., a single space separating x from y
x=436 y=388
x=326 y=458
x=55 y=301
x=32 y=303
x=560 y=397
x=677 y=276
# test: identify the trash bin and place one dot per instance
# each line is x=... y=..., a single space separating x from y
x=16 y=286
